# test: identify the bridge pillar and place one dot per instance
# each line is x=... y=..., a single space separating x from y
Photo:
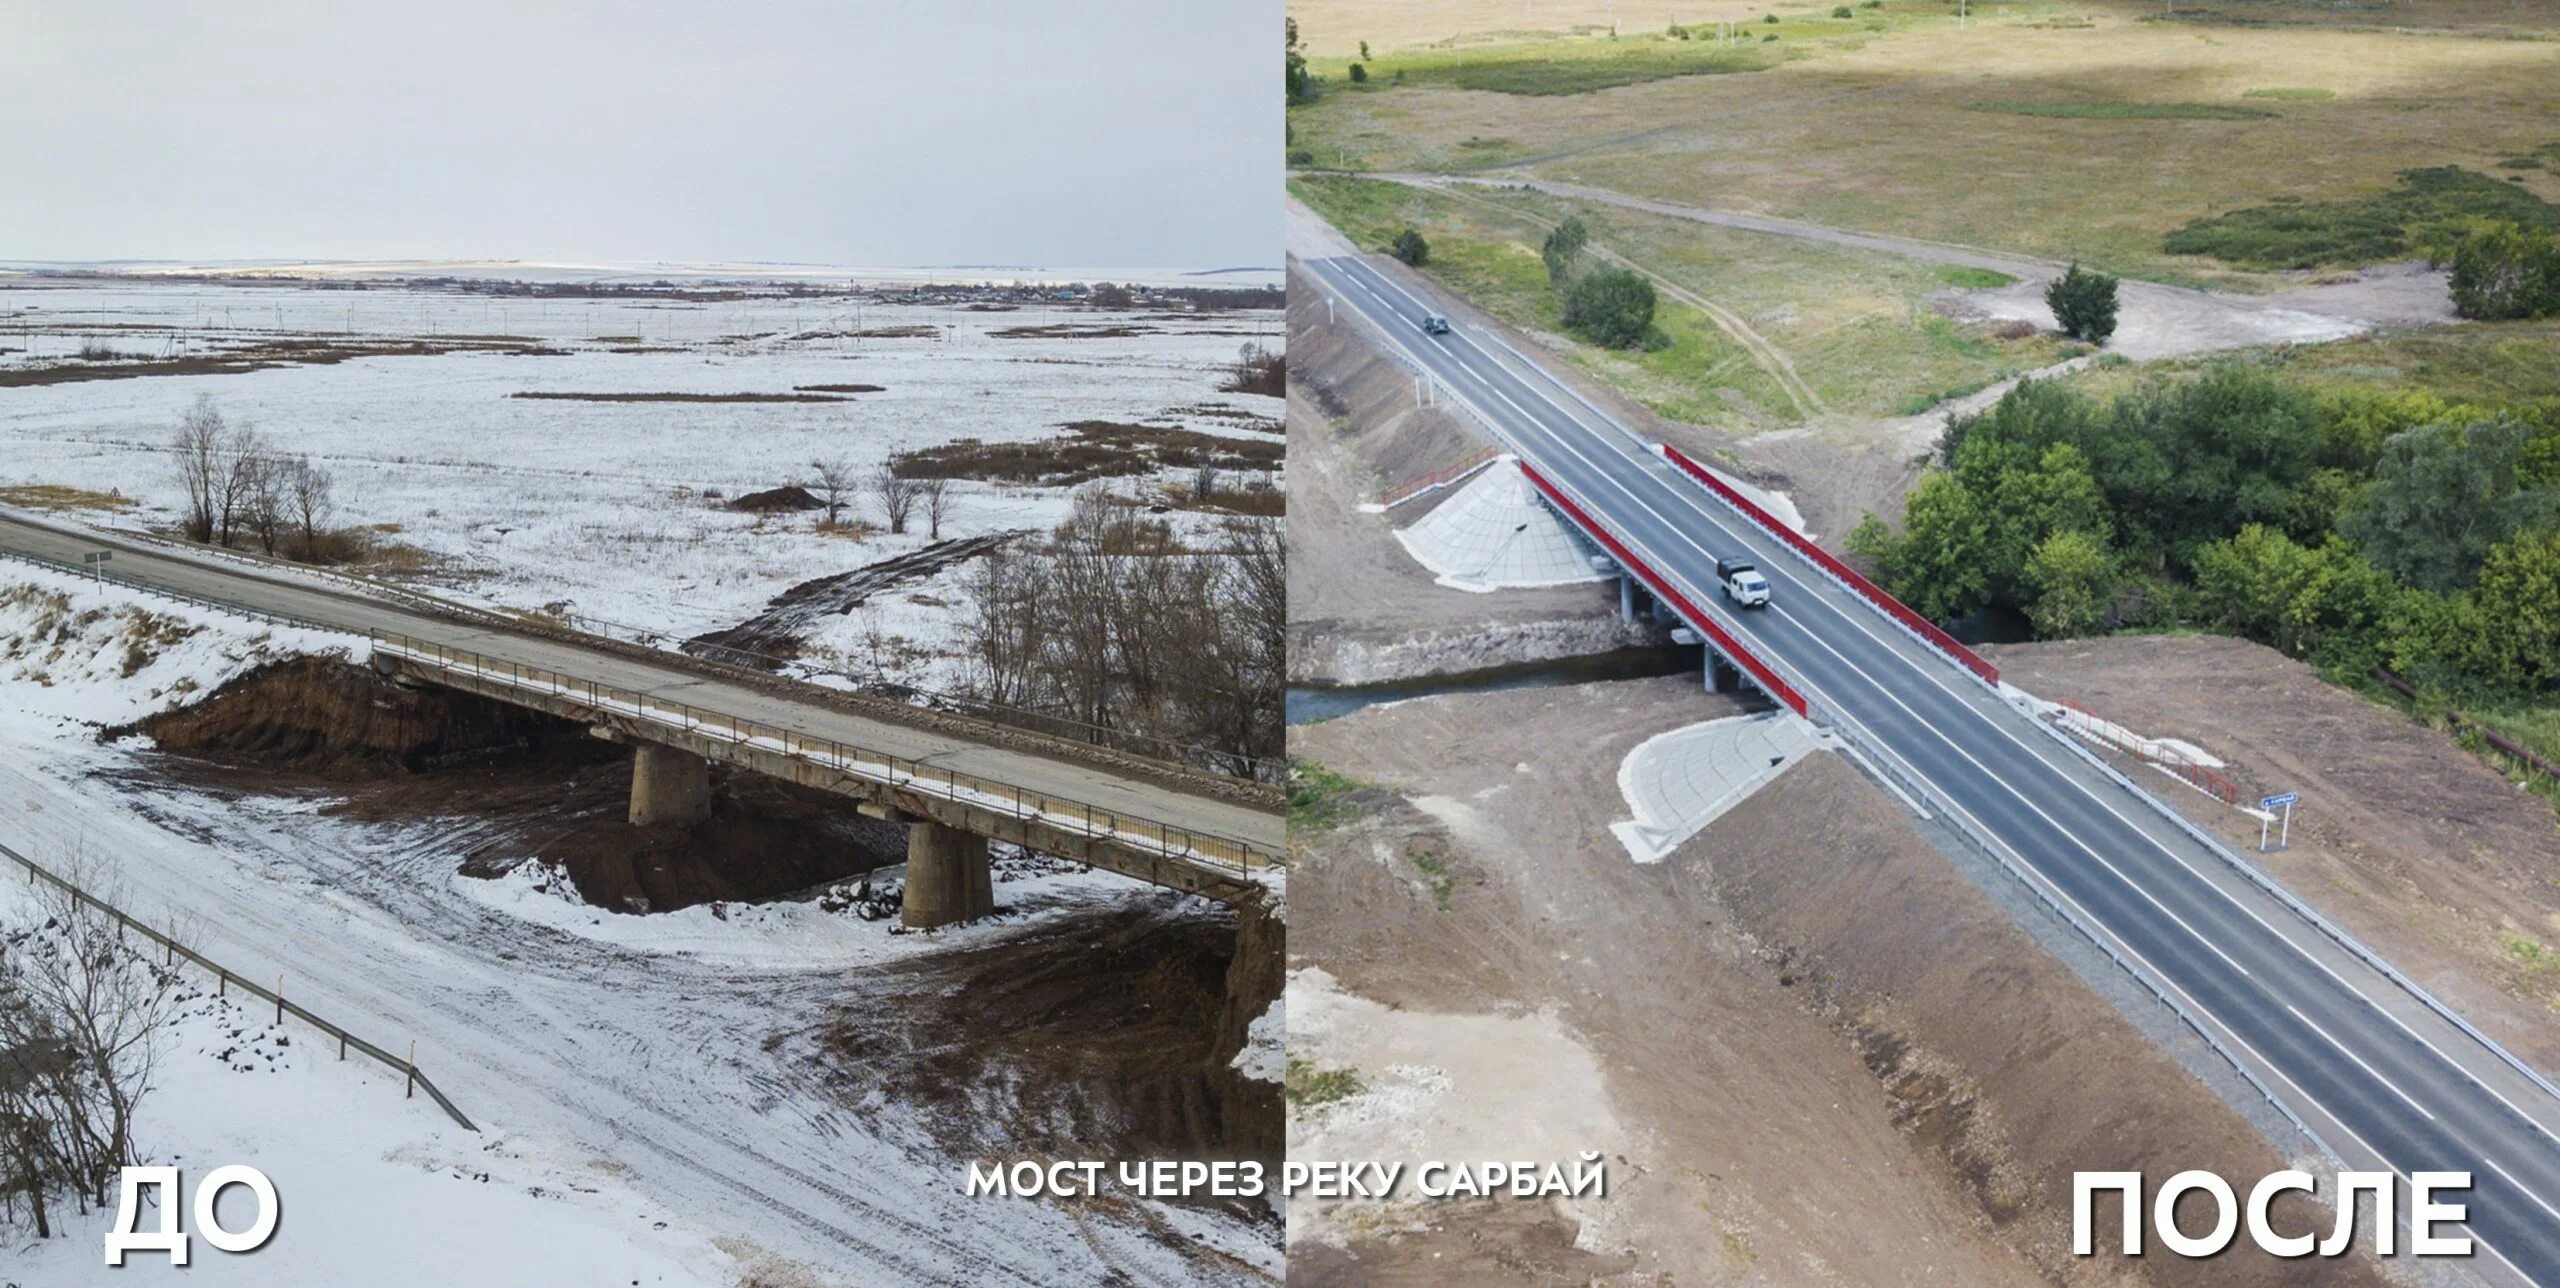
x=948 y=878
x=668 y=786
x=1626 y=596
x=1715 y=669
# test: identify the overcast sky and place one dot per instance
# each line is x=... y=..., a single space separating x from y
x=1099 y=133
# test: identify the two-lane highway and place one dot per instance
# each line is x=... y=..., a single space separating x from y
x=2381 y=1077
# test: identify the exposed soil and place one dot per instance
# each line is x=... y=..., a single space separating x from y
x=1718 y=1080
x=788 y=498
x=841 y=389
x=2403 y=838
x=1998 y=1060
x=1069 y=331
x=1094 y=449
x=549 y=791
x=773 y=636
x=1101 y=1036
x=260 y=357
x=1806 y=1011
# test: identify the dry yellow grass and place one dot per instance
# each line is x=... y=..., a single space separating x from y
x=1335 y=28
x=1881 y=136
x=56 y=496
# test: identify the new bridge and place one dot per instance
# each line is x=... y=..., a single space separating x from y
x=2375 y=1070
x=956 y=781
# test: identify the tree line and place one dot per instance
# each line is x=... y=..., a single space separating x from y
x=1116 y=622
x=239 y=487
x=2346 y=526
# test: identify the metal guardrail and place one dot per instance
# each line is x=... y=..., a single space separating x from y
x=881 y=767
x=1218 y=851
x=2294 y=904
x=227 y=979
x=1049 y=724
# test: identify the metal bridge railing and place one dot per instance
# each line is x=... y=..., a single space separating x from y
x=901 y=772
x=227 y=980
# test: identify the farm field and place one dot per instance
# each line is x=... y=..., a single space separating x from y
x=2068 y=130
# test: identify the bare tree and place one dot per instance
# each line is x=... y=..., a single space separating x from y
x=935 y=492
x=267 y=498
x=897 y=496
x=199 y=448
x=835 y=481
x=311 y=492
x=240 y=464
x=79 y=1016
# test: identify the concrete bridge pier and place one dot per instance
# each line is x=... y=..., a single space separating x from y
x=668 y=786
x=1626 y=597
x=948 y=878
x=1717 y=669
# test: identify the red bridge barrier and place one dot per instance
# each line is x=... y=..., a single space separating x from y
x=1848 y=576
x=1732 y=648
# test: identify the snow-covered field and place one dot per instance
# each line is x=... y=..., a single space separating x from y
x=610 y=510
x=638 y=1128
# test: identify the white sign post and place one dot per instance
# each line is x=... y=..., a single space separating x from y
x=2284 y=836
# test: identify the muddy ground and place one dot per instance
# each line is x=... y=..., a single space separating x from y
x=1807 y=1012
x=549 y=791
x=1105 y=1032
x=2408 y=841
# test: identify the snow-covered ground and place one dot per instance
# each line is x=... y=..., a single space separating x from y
x=638 y=1126
x=610 y=510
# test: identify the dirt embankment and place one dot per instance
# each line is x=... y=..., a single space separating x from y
x=1806 y=1011
x=2409 y=842
x=1100 y=1036
x=550 y=792
x=1361 y=611
x=1995 y=1058
x=1479 y=908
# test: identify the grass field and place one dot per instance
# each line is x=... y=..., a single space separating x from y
x=1857 y=328
x=2477 y=362
x=2137 y=127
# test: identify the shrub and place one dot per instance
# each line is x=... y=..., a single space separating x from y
x=1843 y=11
x=1359 y=74
x=2503 y=271
x=2084 y=304
x=1612 y=307
x=1563 y=247
x=1301 y=156
x=1769 y=18
x=1410 y=247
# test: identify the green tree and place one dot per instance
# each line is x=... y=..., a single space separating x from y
x=2070 y=582
x=1563 y=247
x=2505 y=270
x=1936 y=566
x=2444 y=494
x=1359 y=74
x=2083 y=304
x=1301 y=85
x=1410 y=247
x=2518 y=601
x=1611 y=307
x=2305 y=600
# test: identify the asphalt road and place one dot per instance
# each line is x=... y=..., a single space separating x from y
x=248 y=587
x=2383 y=1079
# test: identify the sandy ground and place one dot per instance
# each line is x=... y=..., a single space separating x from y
x=2402 y=837
x=1807 y=1011
x=1361 y=610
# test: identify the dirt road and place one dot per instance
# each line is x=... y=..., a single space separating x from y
x=2155 y=321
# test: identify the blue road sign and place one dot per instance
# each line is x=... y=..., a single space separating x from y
x=2273 y=801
